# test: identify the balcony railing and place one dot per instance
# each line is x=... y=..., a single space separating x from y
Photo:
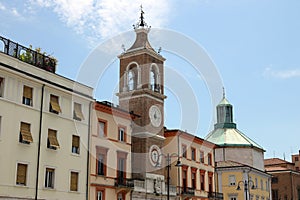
x=27 y=55
x=155 y=87
x=123 y=182
x=215 y=195
x=188 y=191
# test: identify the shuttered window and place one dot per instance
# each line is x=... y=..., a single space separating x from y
x=21 y=174
x=27 y=95
x=75 y=144
x=77 y=113
x=54 y=104
x=122 y=135
x=74 y=181
x=52 y=139
x=25 y=134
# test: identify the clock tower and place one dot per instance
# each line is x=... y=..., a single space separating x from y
x=141 y=92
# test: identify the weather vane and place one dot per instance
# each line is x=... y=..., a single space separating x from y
x=141 y=22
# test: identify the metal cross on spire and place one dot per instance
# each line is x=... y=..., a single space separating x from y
x=141 y=22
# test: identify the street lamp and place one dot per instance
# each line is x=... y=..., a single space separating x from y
x=178 y=164
x=247 y=187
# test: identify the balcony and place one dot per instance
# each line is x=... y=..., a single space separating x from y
x=215 y=195
x=155 y=87
x=27 y=55
x=188 y=191
x=124 y=185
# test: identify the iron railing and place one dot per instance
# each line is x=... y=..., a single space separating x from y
x=27 y=55
x=215 y=195
x=188 y=191
x=123 y=182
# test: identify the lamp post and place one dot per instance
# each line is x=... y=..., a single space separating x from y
x=246 y=185
x=178 y=164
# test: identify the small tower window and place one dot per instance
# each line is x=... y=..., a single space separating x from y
x=131 y=80
x=154 y=80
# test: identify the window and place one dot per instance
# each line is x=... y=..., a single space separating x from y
x=201 y=157
x=256 y=183
x=21 y=174
x=131 y=80
x=209 y=160
x=122 y=135
x=49 y=178
x=262 y=184
x=231 y=179
x=100 y=195
x=27 y=95
x=296 y=159
x=1 y=87
x=121 y=173
x=74 y=181
x=202 y=180
x=54 y=104
x=297 y=168
x=121 y=196
x=75 y=144
x=101 y=128
x=274 y=180
x=101 y=161
x=233 y=198
x=210 y=182
x=77 y=112
x=193 y=151
x=52 y=142
x=183 y=151
x=275 y=194
x=25 y=134
x=193 y=175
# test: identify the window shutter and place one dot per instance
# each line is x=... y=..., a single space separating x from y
x=75 y=141
x=25 y=132
x=21 y=174
x=52 y=138
x=77 y=111
x=54 y=103
x=74 y=181
x=27 y=92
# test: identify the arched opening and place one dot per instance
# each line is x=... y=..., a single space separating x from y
x=154 y=79
x=131 y=80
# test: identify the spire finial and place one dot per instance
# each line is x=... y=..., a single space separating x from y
x=141 y=22
x=223 y=92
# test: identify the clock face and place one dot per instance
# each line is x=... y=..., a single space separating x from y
x=155 y=155
x=155 y=116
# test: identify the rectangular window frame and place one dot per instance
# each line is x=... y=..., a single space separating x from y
x=49 y=177
x=74 y=180
x=52 y=141
x=27 y=98
x=209 y=159
x=184 y=150
x=194 y=178
x=121 y=167
x=2 y=84
x=25 y=136
x=22 y=174
x=75 y=144
x=122 y=133
x=77 y=112
x=202 y=157
x=54 y=104
x=193 y=154
x=104 y=131
x=101 y=169
x=202 y=180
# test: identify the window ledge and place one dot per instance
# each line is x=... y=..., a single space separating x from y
x=48 y=188
x=75 y=154
x=22 y=186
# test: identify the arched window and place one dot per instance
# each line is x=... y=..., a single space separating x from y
x=131 y=80
x=154 y=79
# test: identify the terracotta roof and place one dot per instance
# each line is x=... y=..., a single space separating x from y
x=276 y=168
x=229 y=163
x=275 y=161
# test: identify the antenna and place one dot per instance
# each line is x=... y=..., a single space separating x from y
x=223 y=92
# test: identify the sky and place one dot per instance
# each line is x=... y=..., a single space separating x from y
x=254 y=46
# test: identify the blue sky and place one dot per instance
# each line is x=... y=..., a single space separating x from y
x=254 y=45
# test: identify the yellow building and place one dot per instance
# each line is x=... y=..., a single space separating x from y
x=110 y=153
x=44 y=128
x=240 y=172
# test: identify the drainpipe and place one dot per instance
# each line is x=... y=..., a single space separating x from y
x=88 y=152
x=39 y=145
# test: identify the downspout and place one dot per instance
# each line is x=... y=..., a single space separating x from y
x=292 y=195
x=39 y=145
x=88 y=153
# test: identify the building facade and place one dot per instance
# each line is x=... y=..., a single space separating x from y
x=285 y=179
x=240 y=169
x=44 y=129
x=195 y=177
x=110 y=153
x=296 y=161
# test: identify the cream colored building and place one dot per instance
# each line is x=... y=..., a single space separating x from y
x=44 y=130
x=110 y=153
x=195 y=178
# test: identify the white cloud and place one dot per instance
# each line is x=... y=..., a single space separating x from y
x=282 y=74
x=104 y=18
x=2 y=7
